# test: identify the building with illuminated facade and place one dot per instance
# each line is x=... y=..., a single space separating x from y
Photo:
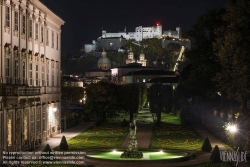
x=30 y=54
x=143 y=33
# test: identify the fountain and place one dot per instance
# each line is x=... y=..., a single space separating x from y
x=132 y=149
x=131 y=155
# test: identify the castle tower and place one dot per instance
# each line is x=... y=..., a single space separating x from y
x=179 y=30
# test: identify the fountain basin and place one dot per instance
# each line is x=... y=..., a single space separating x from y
x=148 y=155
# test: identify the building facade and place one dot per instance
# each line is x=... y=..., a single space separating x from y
x=30 y=54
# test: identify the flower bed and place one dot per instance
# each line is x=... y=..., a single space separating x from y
x=176 y=137
x=107 y=136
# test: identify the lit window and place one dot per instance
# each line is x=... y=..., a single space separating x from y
x=36 y=37
x=23 y=24
x=7 y=69
x=47 y=36
x=47 y=76
x=52 y=76
x=52 y=38
x=144 y=80
x=37 y=81
x=30 y=74
x=30 y=28
x=16 y=20
x=7 y=16
x=43 y=84
x=16 y=71
x=57 y=41
x=23 y=68
x=41 y=34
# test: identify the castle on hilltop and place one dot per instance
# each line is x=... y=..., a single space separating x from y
x=114 y=41
x=144 y=33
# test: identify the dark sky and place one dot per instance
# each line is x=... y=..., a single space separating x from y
x=84 y=20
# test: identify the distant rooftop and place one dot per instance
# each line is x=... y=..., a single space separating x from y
x=153 y=72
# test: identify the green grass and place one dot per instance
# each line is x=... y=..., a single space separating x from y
x=170 y=118
x=110 y=135
x=176 y=137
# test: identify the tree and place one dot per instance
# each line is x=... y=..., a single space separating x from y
x=204 y=65
x=117 y=58
x=215 y=156
x=70 y=97
x=143 y=95
x=159 y=99
x=232 y=51
x=129 y=96
x=206 y=146
x=101 y=99
x=47 y=152
x=64 y=144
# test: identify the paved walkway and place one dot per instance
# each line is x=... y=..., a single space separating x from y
x=143 y=135
x=144 y=123
x=68 y=133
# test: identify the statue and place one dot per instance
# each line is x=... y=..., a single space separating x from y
x=132 y=149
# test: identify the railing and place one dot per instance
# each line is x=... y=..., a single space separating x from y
x=9 y=90
x=50 y=90
x=20 y=87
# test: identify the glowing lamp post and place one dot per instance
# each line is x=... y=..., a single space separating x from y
x=231 y=128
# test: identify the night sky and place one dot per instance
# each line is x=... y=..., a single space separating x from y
x=84 y=20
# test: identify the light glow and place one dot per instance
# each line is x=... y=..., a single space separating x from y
x=231 y=128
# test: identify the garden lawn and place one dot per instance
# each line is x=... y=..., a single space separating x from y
x=170 y=118
x=110 y=135
x=176 y=137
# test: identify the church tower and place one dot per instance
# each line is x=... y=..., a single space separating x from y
x=142 y=59
x=130 y=57
x=104 y=62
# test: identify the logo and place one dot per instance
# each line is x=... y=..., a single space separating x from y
x=233 y=156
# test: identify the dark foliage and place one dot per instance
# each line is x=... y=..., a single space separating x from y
x=215 y=156
x=206 y=145
x=64 y=144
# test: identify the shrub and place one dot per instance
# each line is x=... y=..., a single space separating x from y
x=206 y=145
x=64 y=144
x=124 y=123
x=215 y=156
x=46 y=153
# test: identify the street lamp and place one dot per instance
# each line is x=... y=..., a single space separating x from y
x=232 y=128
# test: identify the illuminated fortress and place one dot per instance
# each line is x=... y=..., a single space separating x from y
x=144 y=33
x=113 y=41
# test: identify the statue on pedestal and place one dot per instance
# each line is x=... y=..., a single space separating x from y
x=132 y=149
